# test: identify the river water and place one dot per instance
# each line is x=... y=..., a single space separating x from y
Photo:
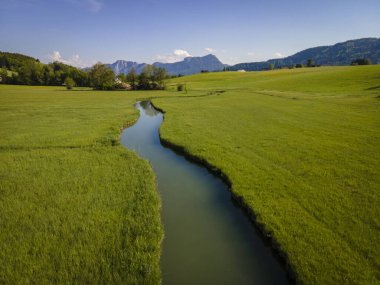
x=208 y=239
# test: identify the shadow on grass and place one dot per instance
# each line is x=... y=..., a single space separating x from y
x=373 y=88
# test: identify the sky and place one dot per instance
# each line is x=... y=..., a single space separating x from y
x=83 y=32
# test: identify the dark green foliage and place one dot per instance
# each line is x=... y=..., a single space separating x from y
x=12 y=61
x=29 y=71
x=159 y=76
x=151 y=78
x=132 y=78
x=310 y=63
x=180 y=87
x=69 y=82
x=143 y=81
x=361 y=61
x=3 y=76
x=122 y=77
x=102 y=77
x=271 y=66
x=299 y=65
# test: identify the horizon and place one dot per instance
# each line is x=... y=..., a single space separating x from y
x=195 y=56
x=169 y=31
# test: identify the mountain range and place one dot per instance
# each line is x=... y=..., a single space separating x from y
x=189 y=65
x=339 y=54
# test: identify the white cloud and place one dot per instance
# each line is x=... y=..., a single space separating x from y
x=279 y=55
x=177 y=55
x=181 y=53
x=75 y=60
x=251 y=53
x=210 y=50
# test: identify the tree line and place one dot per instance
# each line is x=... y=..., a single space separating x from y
x=151 y=78
x=24 y=70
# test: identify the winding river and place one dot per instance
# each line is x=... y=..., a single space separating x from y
x=208 y=240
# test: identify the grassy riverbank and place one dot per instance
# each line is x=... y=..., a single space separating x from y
x=75 y=206
x=301 y=148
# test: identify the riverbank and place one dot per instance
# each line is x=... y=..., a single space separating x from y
x=207 y=238
x=299 y=146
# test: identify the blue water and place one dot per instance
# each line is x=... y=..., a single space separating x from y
x=208 y=240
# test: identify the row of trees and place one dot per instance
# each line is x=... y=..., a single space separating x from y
x=151 y=78
x=20 y=69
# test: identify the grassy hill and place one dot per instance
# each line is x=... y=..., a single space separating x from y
x=301 y=148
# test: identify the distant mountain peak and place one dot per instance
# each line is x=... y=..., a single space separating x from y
x=189 y=65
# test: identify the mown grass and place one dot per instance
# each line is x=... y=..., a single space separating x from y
x=75 y=206
x=302 y=149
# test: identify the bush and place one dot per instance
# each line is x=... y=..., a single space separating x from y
x=310 y=63
x=70 y=83
x=180 y=87
x=361 y=61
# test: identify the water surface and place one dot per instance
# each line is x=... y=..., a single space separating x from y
x=208 y=240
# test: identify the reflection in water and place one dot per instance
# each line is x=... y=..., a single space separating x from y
x=148 y=108
x=207 y=239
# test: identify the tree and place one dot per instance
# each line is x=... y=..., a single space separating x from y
x=159 y=75
x=101 y=77
x=271 y=66
x=143 y=81
x=149 y=71
x=310 y=63
x=132 y=78
x=361 y=61
x=122 y=77
x=299 y=65
x=70 y=83
x=3 y=76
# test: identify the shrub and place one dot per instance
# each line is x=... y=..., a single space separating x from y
x=361 y=61
x=70 y=83
x=180 y=87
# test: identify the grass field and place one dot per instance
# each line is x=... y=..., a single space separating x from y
x=302 y=149
x=75 y=206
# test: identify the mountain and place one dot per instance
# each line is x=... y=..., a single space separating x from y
x=123 y=66
x=338 y=54
x=189 y=65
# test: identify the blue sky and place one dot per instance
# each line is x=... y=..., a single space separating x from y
x=82 y=32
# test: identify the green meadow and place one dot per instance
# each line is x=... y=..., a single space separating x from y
x=300 y=147
x=75 y=206
x=302 y=150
